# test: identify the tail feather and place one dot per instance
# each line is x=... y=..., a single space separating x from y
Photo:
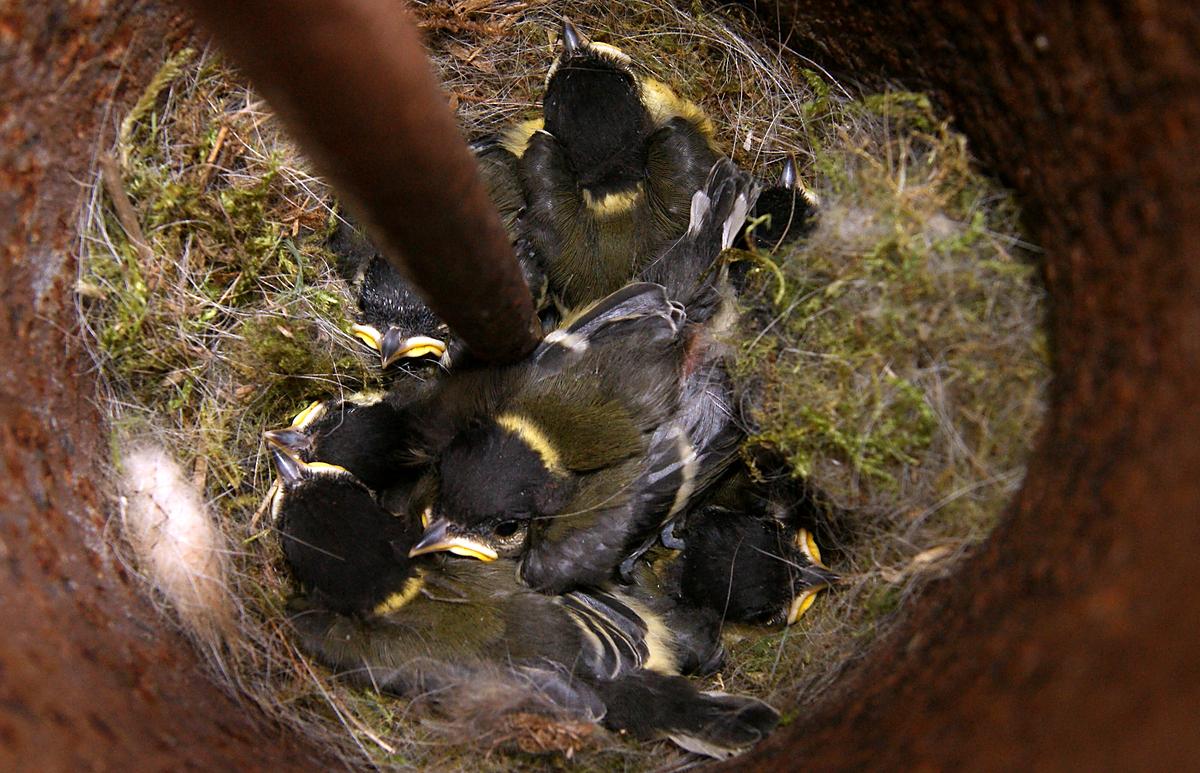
x=717 y=214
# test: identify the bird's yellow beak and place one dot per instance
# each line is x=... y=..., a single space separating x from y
x=314 y=411
x=289 y=466
x=801 y=603
x=439 y=536
x=808 y=545
x=369 y=335
x=825 y=577
x=292 y=468
x=392 y=347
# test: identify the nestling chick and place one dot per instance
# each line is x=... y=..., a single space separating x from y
x=446 y=628
x=792 y=211
x=555 y=459
x=365 y=433
x=610 y=175
x=577 y=467
x=747 y=557
x=393 y=318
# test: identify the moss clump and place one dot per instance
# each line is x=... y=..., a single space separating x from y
x=896 y=358
x=894 y=354
x=222 y=283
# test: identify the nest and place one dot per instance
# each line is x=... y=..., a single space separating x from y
x=895 y=357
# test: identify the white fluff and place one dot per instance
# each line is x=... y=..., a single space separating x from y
x=176 y=542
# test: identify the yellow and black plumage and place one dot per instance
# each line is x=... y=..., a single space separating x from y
x=563 y=459
x=365 y=433
x=749 y=553
x=610 y=173
x=454 y=629
x=576 y=466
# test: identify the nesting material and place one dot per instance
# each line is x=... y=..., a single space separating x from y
x=894 y=357
x=177 y=543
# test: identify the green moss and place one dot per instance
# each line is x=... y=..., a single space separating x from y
x=908 y=316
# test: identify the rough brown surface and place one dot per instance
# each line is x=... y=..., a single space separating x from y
x=90 y=678
x=1068 y=642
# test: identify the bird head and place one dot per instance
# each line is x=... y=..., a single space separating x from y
x=395 y=320
x=593 y=106
x=338 y=541
x=398 y=342
x=366 y=433
x=297 y=437
x=493 y=481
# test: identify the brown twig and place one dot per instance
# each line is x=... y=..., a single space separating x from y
x=110 y=172
x=211 y=159
x=352 y=82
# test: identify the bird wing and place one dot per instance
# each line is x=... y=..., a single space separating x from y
x=614 y=636
x=639 y=309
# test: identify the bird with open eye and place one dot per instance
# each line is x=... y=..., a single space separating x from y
x=546 y=456
x=610 y=172
x=467 y=636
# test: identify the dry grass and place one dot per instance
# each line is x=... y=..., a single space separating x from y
x=900 y=367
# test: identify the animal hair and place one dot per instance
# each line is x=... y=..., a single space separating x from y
x=176 y=543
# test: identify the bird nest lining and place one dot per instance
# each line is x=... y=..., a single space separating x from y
x=895 y=356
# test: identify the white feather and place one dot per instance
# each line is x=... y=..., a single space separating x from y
x=733 y=223
x=176 y=542
x=700 y=204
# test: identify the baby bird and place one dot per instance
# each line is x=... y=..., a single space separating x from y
x=746 y=555
x=575 y=467
x=792 y=211
x=393 y=318
x=557 y=459
x=461 y=632
x=365 y=433
x=610 y=174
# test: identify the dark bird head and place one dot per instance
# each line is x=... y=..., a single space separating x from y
x=792 y=211
x=365 y=433
x=593 y=106
x=395 y=320
x=297 y=437
x=750 y=567
x=493 y=480
x=338 y=541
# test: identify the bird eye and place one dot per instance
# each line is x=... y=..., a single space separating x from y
x=506 y=528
